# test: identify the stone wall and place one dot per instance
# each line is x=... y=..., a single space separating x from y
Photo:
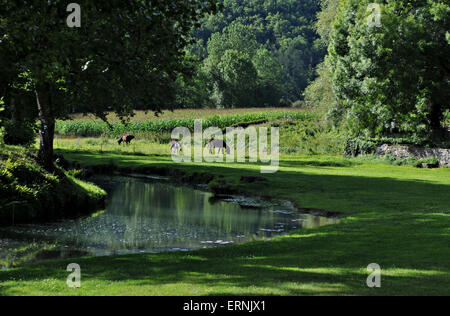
x=399 y=151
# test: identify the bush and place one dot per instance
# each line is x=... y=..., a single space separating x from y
x=356 y=147
x=38 y=194
x=447 y=118
x=309 y=137
x=76 y=173
x=298 y=104
x=19 y=133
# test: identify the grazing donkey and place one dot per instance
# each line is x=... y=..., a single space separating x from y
x=126 y=139
x=218 y=144
x=175 y=147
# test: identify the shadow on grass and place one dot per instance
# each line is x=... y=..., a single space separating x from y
x=401 y=224
x=327 y=261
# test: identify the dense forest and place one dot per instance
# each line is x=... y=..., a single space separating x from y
x=253 y=53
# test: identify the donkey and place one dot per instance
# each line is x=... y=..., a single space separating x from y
x=218 y=144
x=175 y=147
x=126 y=139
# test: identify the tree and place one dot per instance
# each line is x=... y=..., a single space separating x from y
x=319 y=94
x=125 y=54
x=237 y=82
x=193 y=90
x=270 y=73
x=394 y=78
x=236 y=36
x=230 y=68
x=325 y=20
x=296 y=57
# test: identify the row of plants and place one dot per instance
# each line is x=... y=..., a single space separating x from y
x=116 y=129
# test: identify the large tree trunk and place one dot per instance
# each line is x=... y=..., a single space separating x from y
x=46 y=129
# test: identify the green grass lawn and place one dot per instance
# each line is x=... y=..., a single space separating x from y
x=397 y=217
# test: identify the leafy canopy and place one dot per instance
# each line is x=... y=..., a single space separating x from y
x=125 y=54
x=394 y=78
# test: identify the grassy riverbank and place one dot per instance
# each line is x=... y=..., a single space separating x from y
x=398 y=217
x=28 y=192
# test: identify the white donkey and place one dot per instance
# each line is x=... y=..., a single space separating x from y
x=175 y=147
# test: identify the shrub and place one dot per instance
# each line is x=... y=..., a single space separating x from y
x=42 y=195
x=356 y=147
x=19 y=133
x=447 y=118
x=298 y=104
x=76 y=173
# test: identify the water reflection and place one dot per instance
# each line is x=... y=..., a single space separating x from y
x=146 y=215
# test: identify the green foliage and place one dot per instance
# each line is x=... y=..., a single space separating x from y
x=298 y=104
x=76 y=173
x=447 y=119
x=125 y=55
x=22 y=180
x=270 y=88
x=33 y=193
x=193 y=90
x=398 y=215
x=319 y=94
x=236 y=81
x=394 y=78
x=325 y=20
x=356 y=147
x=310 y=137
x=367 y=146
x=243 y=75
x=279 y=39
x=2 y=128
x=98 y=128
x=19 y=133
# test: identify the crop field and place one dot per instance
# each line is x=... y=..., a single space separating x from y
x=186 y=113
x=301 y=132
x=97 y=128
